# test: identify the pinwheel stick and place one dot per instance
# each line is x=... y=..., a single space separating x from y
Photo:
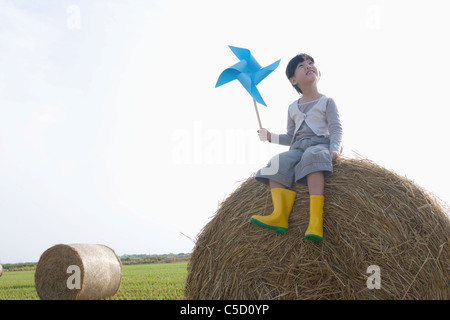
x=257 y=113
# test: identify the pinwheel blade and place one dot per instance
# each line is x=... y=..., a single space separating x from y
x=231 y=73
x=259 y=75
x=244 y=54
x=247 y=83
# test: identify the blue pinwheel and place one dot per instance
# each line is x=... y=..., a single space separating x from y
x=249 y=73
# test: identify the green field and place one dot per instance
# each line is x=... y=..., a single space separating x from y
x=158 y=281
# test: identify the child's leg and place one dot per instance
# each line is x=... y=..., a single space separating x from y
x=274 y=184
x=316 y=184
x=282 y=198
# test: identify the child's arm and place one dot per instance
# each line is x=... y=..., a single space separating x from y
x=283 y=139
x=335 y=128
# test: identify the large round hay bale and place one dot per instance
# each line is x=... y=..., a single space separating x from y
x=1 y=270
x=78 y=272
x=377 y=226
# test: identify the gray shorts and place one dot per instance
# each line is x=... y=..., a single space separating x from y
x=304 y=157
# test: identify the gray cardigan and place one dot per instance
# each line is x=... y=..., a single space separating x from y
x=322 y=118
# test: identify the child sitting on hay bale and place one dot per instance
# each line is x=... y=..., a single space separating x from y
x=314 y=134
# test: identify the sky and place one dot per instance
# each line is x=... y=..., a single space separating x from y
x=112 y=130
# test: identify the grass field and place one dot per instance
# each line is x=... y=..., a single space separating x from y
x=159 y=281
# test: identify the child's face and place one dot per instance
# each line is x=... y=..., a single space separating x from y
x=305 y=73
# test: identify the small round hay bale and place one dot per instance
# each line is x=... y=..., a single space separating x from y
x=377 y=225
x=78 y=272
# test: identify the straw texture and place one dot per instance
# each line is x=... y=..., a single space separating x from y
x=100 y=272
x=372 y=217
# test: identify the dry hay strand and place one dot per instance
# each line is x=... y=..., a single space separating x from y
x=100 y=272
x=372 y=217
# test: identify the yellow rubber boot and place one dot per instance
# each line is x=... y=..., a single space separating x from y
x=315 y=228
x=283 y=200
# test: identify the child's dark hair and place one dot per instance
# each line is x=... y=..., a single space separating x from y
x=292 y=65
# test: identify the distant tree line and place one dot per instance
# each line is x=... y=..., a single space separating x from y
x=126 y=259
x=154 y=258
x=24 y=266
